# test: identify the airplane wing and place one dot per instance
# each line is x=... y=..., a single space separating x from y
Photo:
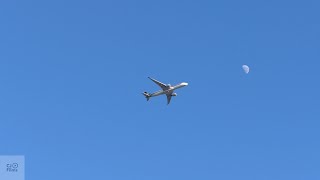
x=163 y=86
x=169 y=98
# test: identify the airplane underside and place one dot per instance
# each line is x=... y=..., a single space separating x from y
x=167 y=89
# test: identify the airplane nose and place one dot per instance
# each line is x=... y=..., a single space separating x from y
x=185 y=84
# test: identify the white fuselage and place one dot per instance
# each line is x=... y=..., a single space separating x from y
x=170 y=90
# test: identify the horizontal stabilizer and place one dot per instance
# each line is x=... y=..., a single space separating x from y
x=147 y=95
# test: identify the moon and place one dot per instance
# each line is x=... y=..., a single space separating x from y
x=246 y=68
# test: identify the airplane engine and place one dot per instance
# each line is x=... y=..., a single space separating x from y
x=174 y=94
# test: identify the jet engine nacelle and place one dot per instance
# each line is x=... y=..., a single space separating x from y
x=174 y=94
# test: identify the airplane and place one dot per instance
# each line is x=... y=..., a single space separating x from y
x=166 y=89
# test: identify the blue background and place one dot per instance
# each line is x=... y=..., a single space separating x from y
x=72 y=73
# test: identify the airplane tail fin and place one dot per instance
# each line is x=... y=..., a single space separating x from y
x=147 y=95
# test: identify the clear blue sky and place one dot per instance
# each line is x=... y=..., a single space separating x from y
x=72 y=73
